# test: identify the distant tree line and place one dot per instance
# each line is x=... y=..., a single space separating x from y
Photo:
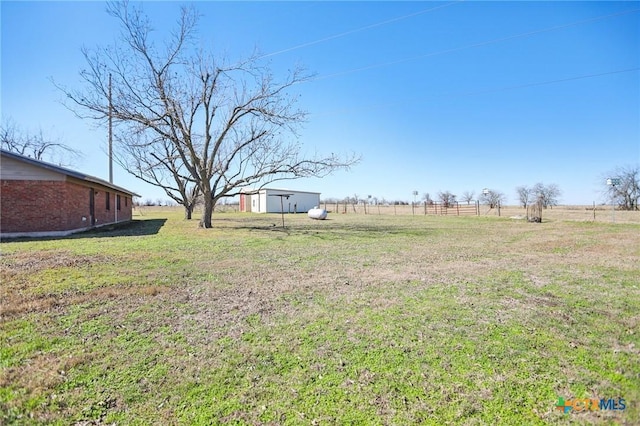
x=148 y=202
x=547 y=195
x=621 y=186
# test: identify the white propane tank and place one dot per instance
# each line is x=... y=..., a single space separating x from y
x=317 y=213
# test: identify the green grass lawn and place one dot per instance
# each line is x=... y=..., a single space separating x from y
x=353 y=320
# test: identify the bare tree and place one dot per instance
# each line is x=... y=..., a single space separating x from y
x=626 y=190
x=367 y=203
x=447 y=198
x=355 y=200
x=524 y=195
x=468 y=196
x=426 y=198
x=159 y=164
x=35 y=145
x=548 y=195
x=197 y=120
x=377 y=203
x=492 y=198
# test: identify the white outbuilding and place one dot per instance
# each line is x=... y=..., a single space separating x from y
x=271 y=200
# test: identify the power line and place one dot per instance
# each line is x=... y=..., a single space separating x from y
x=483 y=43
x=367 y=27
x=543 y=83
x=494 y=90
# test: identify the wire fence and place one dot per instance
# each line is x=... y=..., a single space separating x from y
x=473 y=208
x=592 y=213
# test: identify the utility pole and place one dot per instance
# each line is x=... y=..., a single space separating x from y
x=613 y=182
x=110 y=134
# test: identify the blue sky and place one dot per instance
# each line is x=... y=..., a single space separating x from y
x=435 y=96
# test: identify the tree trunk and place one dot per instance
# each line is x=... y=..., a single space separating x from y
x=187 y=212
x=207 y=211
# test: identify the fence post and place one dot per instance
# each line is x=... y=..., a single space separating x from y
x=458 y=208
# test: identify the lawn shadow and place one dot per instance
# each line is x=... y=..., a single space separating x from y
x=328 y=228
x=372 y=226
x=136 y=227
x=132 y=228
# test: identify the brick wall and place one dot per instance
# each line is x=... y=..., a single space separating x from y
x=42 y=206
x=113 y=214
x=76 y=206
x=126 y=213
x=32 y=206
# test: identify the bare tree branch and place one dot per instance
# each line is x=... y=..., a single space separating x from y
x=447 y=198
x=624 y=189
x=524 y=195
x=467 y=196
x=548 y=195
x=35 y=145
x=187 y=120
x=492 y=198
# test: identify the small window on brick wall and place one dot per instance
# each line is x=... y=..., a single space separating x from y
x=108 y=200
x=126 y=201
x=118 y=202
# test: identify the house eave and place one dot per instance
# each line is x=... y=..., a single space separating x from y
x=65 y=171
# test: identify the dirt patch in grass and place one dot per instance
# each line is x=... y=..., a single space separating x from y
x=45 y=370
x=28 y=262
x=16 y=303
x=19 y=270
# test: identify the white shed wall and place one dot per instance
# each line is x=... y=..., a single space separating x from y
x=297 y=201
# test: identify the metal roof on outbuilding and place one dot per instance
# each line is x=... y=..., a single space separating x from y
x=257 y=190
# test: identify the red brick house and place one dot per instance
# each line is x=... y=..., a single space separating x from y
x=40 y=199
